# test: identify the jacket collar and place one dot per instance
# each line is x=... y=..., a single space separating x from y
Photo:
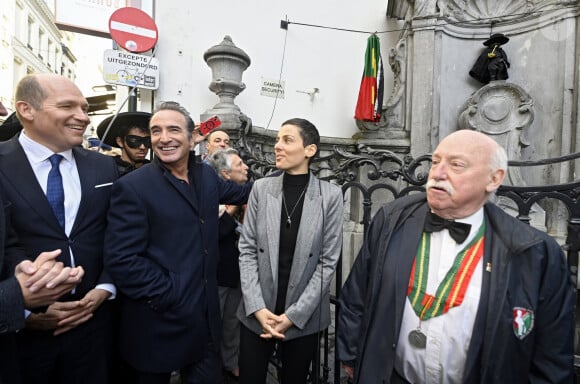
x=195 y=170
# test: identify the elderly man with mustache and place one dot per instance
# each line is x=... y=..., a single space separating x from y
x=448 y=288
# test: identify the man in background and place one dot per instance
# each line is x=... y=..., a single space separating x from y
x=130 y=132
x=216 y=140
x=229 y=166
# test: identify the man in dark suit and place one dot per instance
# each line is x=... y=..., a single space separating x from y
x=161 y=249
x=28 y=285
x=61 y=205
x=448 y=288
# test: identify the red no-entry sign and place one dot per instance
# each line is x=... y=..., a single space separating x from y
x=133 y=29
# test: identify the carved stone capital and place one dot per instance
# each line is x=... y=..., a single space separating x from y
x=502 y=111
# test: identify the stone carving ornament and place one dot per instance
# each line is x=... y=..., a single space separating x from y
x=503 y=111
x=470 y=10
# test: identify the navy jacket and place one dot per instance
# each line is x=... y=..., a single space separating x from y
x=528 y=270
x=162 y=251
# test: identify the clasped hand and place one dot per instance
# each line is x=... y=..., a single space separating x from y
x=273 y=326
x=64 y=316
x=44 y=280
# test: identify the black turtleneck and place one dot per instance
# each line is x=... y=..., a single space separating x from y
x=294 y=191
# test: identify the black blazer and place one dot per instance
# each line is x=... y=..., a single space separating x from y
x=162 y=250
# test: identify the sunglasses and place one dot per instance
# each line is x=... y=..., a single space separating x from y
x=134 y=141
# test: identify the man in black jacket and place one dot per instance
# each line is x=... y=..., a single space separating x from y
x=167 y=265
x=229 y=166
x=452 y=289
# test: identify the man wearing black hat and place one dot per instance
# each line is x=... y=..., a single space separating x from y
x=130 y=132
x=493 y=63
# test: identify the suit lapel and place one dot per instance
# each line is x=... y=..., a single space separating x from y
x=406 y=249
x=198 y=191
x=273 y=214
x=87 y=176
x=309 y=226
x=18 y=172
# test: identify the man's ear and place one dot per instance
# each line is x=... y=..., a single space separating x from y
x=119 y=142
x=225 y=174
x=25 y=110
x=310 y=150
x=495 y=180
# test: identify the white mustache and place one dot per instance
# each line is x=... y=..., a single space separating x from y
x=431 y=183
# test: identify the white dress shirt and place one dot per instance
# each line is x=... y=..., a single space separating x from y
x=449 y=334
x=37 y=155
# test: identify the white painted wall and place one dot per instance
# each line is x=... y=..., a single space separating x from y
x=330 y=60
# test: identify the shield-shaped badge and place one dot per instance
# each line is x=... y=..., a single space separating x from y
x=523 y=322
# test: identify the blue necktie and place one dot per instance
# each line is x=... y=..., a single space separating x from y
x=54 y=189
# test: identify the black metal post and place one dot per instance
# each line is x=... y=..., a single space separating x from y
x=132 y=105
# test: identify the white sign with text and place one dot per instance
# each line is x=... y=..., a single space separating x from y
x=130 y=69
x=272 y=88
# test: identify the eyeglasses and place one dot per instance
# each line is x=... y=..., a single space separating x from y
x=134 y=141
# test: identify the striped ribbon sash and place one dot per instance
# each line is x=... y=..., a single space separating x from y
x=451 y=290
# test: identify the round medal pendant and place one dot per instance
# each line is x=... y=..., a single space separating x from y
x=417 y=339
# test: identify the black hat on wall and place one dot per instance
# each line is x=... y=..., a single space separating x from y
x=132 y=119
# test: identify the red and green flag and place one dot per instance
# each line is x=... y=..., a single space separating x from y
x=370 y=96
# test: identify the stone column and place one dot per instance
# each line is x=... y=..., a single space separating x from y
x=424 y=132
x=227 y=63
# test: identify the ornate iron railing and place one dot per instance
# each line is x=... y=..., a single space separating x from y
x=369 y=170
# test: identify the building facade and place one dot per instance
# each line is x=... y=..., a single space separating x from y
x=30 y=42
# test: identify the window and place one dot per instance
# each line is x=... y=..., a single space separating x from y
x=50 y=54
x=29 y=31
x=56 y=56
x=40 y=40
